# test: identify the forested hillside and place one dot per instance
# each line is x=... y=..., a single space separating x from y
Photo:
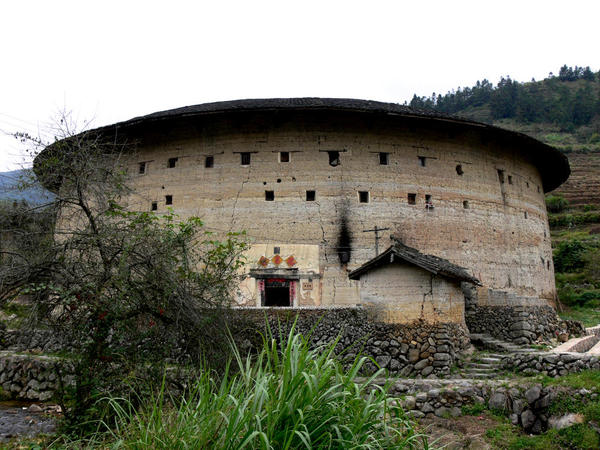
x=562 y=110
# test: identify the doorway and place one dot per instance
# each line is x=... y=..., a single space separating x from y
x=277 y=292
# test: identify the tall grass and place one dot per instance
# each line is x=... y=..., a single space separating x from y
x=286 y=397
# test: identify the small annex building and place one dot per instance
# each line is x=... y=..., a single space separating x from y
x=405 y=285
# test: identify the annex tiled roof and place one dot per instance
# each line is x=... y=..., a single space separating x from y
x=430 y=263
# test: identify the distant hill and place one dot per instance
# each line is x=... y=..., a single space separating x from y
x=10 y=189
x=562 y=110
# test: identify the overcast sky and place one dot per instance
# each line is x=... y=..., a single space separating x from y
x=109 y=61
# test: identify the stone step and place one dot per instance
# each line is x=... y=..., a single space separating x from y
x=481 y=375
x=480 y=366
x=489 y=360
x=480 y=372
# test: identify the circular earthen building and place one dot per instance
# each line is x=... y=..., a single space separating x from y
x=321 y=186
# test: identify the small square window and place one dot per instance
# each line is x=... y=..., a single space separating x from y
x=284 y=157
x=428 y=202
x=384 y=158
x=245 y=158
x=459 y=169
x=310 y=196
x=209 y=162
x=168 y=199
x=525 y=214
x=422 y=161
x=142 y=168
x=334 y=158
x=269 y=196
x=276 y=250
x=154 y=206
x=172 y=162
x=363 y=196
x=412 y=199
x=510 y=179
x=466 y=204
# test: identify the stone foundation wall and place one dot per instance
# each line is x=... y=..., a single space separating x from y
x=415 y=349
x=519 y=324
x=551 y=364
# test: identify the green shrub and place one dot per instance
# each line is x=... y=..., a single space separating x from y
x=572 y=297
x=568 y=220
x=285 y=397
x=594 y=139
x=568 y=256
x=556 y=203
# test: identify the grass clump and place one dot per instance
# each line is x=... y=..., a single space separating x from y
x=473 y=410
x=510 y=437
x=588 y=316
x=586 y=379
x=287 y=396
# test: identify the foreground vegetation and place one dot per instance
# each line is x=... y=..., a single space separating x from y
x=287 y=396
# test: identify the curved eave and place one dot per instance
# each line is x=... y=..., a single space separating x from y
x=552 y=164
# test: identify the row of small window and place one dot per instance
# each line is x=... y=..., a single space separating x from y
x=209 y=162
x=284 y=157
x=502 y=177
x=311 y=196
x=334 y=160
x=363 y=197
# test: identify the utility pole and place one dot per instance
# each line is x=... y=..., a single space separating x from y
x=376 y=230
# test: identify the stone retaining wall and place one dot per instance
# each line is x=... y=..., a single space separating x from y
x=525 y=405
x=416 y=349
x=519 y=324
x=31 y=377
x=551 y=364
x=42 y=341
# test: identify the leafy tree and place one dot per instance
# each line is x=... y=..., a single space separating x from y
x=130 y=289
x=588 y=74
x=503 y=101
x=551 y=100
x=583 y=106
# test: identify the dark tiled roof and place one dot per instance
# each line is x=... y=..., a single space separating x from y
x=430 y=263
x=553 y=165
x=292 y=103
